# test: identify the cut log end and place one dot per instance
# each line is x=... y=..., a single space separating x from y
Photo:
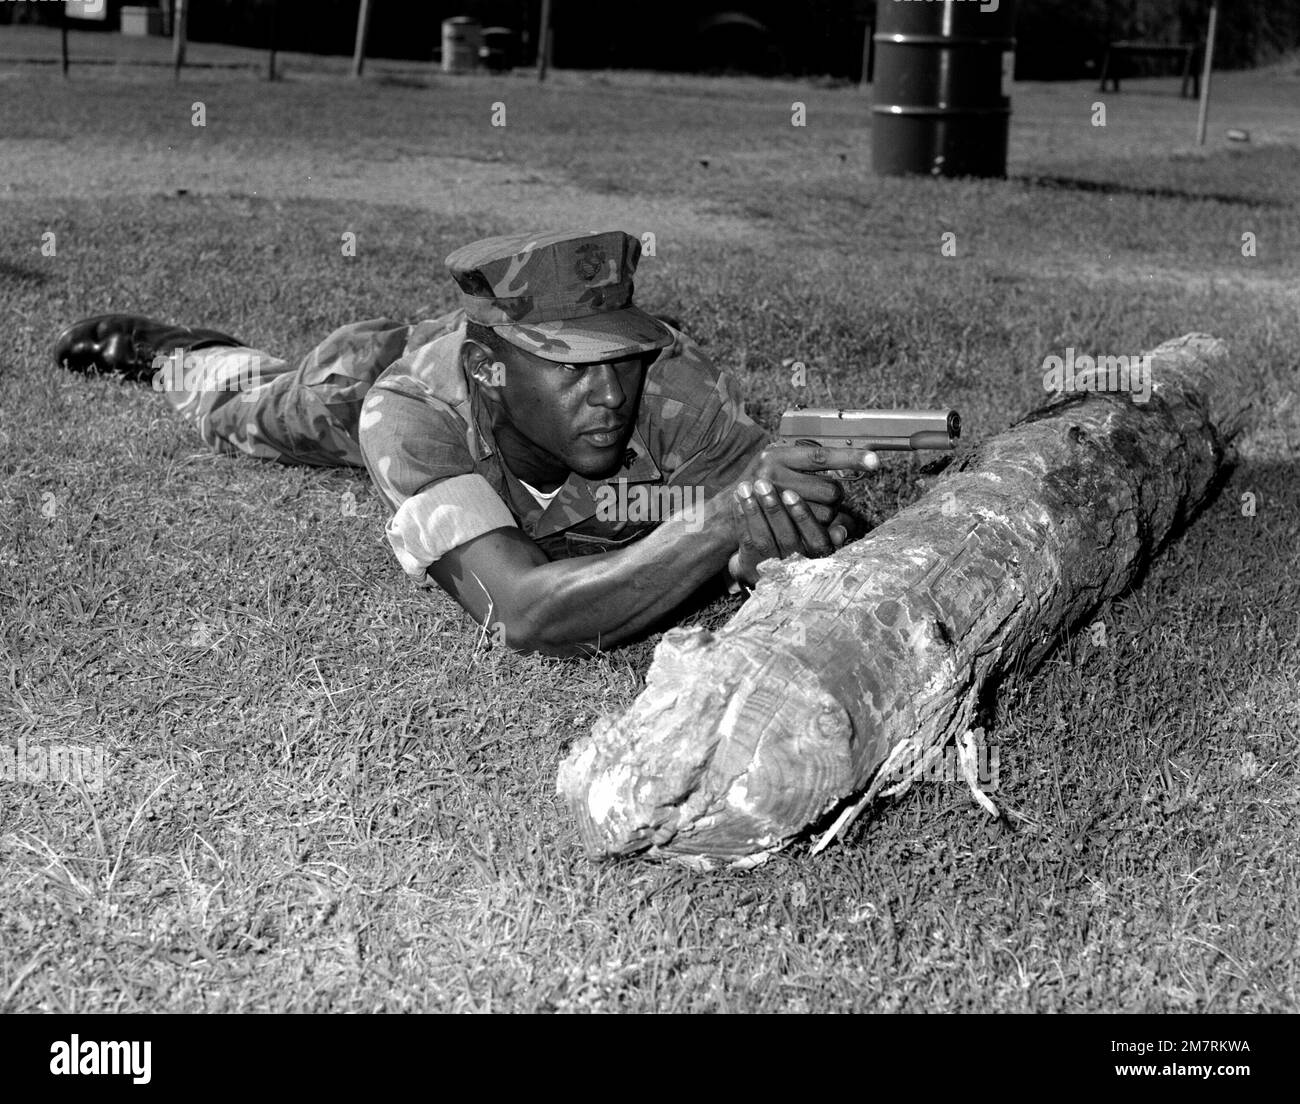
x=779 y=755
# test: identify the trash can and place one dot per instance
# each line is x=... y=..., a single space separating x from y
x=461 y=39
x=941 y=75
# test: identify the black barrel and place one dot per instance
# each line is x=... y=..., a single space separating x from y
x=940 y=73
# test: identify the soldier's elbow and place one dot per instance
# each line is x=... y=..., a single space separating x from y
x=554 y=642
x=550 y=637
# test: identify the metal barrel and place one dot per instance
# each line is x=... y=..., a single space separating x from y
x=941 y=69
x=461 y=39
x=886 y=430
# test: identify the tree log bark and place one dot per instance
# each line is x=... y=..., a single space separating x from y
x=746 y=738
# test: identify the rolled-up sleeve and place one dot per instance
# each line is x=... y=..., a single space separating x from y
x=415 y=450
x=444 y=516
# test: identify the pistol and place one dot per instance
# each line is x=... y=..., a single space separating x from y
x=878 y=430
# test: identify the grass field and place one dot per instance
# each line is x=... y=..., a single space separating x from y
x=325 y=791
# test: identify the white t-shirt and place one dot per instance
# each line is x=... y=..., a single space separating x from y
x=543 y=500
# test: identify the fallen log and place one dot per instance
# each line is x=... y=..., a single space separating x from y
x=876 y=657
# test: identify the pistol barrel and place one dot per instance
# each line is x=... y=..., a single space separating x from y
x=880 y=430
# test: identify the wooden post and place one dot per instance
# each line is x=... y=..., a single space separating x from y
x=1205 y=75
x=841 y=676
x=867 y=35
x=544 y=41
x=178 y=37
x=363 y=32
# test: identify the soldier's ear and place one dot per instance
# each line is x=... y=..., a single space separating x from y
x=482 y=363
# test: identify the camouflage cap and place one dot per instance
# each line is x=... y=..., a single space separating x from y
x=563 y=296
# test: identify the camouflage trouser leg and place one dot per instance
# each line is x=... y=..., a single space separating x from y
x=245 y=402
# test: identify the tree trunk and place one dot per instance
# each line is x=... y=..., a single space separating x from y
x=744 y=739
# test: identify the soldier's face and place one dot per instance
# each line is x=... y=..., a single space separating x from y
x=577 y=415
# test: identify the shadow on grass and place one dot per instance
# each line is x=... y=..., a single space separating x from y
x=1236 y=551
x=1106 y=187
x=22 y=273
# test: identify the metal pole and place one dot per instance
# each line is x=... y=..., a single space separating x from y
x=178 y=38
x=1205 y=75
x=63 y=39
x=363 y=30
x=544 y=41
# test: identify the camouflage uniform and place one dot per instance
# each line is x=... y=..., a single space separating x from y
x=397 y=399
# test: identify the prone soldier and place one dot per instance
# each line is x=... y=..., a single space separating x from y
x=495 y=434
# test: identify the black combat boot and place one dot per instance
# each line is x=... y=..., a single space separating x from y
x=126 y=344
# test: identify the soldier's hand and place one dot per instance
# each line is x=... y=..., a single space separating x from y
x=796 y=467
x=770 y=525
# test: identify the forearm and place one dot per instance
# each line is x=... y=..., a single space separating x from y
x=605 y=599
